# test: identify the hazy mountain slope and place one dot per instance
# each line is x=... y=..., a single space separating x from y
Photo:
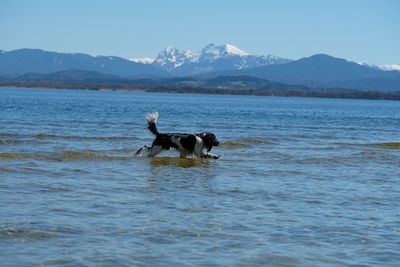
x=323 y=70
x=39 y=61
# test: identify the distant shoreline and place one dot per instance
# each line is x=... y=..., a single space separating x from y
x=311 y=92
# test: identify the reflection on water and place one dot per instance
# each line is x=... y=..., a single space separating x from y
x=309 y=182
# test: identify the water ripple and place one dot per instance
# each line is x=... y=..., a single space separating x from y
x=302 y=182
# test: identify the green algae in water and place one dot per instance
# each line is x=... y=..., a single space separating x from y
x=391 y=145
x=12 y=156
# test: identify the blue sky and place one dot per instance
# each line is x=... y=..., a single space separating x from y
x=358 y=30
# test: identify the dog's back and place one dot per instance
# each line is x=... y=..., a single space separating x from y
x=186 y=144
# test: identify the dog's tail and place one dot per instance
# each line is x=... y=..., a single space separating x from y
x=151 y=122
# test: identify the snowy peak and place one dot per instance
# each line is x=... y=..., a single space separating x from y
x=171 y=58
x=233 y=50
x=143 y=60
x=214 y=51
x=389 y=67
x=173 y=54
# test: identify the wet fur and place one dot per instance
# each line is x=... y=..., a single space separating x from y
x=186 y=144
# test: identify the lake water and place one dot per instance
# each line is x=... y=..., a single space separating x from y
x=301 y=182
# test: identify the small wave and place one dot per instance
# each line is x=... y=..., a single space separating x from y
x=4 y=169
x=233 y=144
x=84 y=155
x=13 y=156
x=66 y=155
x=55 y=190
x=8 y=135
x=25 y=234
x=77 y=137
x=243 y=142
x=391 y=145
x=18 y=142
x=251 y=140
x=388 y=145
x=8 y=142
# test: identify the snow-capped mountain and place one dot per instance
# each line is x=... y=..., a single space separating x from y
x=210 y=59
x=389 y=67
x=213 y=52
x=366 y=64
x=143 y=60
x=34 y=65
x=172 y=58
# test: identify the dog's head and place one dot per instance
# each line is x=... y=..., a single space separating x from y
x=209 y=140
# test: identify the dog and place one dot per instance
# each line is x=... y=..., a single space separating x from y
x=197 y=145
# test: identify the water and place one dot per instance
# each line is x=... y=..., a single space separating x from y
x=304 y=182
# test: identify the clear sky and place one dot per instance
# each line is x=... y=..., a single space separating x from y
x=358 y=30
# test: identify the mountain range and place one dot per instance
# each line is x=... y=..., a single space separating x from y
x=322 y=71
x=211 y=58
x=22 y=61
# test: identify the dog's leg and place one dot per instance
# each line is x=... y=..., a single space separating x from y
x=154 y=151
x=183 y=154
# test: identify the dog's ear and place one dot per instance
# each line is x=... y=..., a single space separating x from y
x=208 y=139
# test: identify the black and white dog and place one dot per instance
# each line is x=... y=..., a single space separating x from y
x=186 y=144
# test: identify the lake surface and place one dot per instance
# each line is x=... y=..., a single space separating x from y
x=301 y=182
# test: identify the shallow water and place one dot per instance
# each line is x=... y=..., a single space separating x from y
x=304 y=182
